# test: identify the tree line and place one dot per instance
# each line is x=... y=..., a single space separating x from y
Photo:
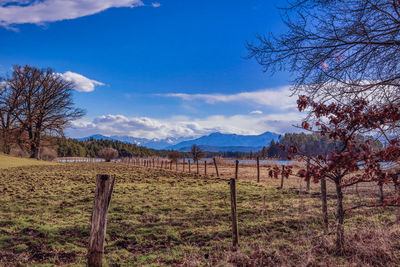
x=311 y=145
x=68 y=147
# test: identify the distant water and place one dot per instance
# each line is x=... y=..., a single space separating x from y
x=251 y=161
x=63 y=160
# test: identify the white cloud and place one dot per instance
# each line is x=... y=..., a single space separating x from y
x=275 y=97
x=38 y=12
x=256 y=112
x=82 y=84
x=156 y=4
x=182 y=126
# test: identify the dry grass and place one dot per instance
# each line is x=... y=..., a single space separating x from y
x=9 y=161
x=160 y=217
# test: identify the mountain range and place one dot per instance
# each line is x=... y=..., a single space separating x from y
x=215 y=142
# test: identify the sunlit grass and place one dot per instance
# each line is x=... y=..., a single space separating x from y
x=159 y=217
x=8 y=161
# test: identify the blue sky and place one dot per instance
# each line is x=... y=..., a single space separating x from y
x=154 y=69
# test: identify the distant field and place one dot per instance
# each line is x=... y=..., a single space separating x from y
x=159 y=217
x=8 y=161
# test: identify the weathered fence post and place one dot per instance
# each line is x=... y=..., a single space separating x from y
x=197 y=161
x=104 y=190
x=162 y=163
x=154 y=163
x=235 y=230
x=381 y=195
x=282 y=176
x=258 y=169
x=176 y=165
x=308 y=180
x=189 y=165
x=237 y=169
x=216 y=166
x=205 y=168
x=396 y=192
x=324 y=205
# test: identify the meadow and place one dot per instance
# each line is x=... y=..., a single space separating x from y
x=7 y=162
x=163 y=217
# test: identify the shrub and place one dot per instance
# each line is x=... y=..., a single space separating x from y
x=174 y=156
x=18 y=152
x=108 y=154
x=48 y=154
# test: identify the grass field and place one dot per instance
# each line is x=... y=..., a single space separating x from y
x=158 y=217
x=8 y=162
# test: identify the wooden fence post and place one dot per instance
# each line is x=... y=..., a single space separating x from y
x=197 y=161
x=237 y=169
x=282 y=176
x=258 y=169
x=216 y=166
x=104 y=190
x=324 y=205
x=189 y=165
x=396 y=192
x=309 y=180
x=176 y=165
x=381 y=195
x=162 y=163
x=205 y=168
x=235 y=230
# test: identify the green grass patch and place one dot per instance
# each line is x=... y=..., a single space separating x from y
x=8 y=162
x=159 y=217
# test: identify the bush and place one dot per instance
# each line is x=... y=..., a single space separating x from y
x=174 y=156
x=48 y=154
x=18 y=152
x=108 y=154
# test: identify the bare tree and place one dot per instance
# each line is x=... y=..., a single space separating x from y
x=338 y=50
x=10 y=103
x=196 y=153
x=45 y=104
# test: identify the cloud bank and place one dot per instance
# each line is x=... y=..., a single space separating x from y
x=82 y=83
x=184 y=126
x=38 y=12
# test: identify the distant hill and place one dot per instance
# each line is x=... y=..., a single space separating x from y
x=222 y=142
x=215 y=142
